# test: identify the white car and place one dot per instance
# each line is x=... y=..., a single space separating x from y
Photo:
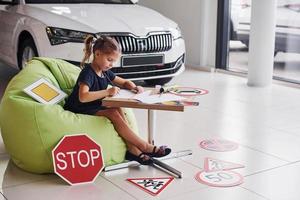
x=287 y=24
x=153 y=48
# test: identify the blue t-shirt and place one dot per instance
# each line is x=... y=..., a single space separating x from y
x=95 y=83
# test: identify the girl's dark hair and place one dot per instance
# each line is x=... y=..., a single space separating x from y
x=105 y=44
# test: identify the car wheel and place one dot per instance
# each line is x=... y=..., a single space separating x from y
x=26 y=51
x=159 y=81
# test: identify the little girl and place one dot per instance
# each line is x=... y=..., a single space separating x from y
x=91 y=87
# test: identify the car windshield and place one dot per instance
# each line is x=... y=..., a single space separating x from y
x=81 y=1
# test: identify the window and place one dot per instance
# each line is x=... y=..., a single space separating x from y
x=287 y=41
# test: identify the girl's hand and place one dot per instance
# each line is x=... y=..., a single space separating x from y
x=138 y=89
x=113 y=91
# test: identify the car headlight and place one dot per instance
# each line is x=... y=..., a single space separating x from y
x=60 y=35
x=176 y=33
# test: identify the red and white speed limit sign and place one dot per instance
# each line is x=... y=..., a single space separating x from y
x=220 y=145
x=77 y=159
x=222 y=178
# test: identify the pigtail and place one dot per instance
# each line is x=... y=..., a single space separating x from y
x=103 y=43
x=88 y=43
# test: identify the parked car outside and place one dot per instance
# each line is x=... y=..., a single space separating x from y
x=153 y=48
x=287 y=24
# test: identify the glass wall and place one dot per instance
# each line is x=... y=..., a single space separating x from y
x=287 y=44
x=239 y=35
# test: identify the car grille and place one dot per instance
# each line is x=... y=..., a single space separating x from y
x=152 y=43
x=148 y=71
x=140 y=72
x=151 y=73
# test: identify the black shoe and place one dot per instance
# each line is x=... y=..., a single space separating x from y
x=162 y=151
x=142 y=158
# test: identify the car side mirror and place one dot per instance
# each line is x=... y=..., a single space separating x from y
x=135 y=1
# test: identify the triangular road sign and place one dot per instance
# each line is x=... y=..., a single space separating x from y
x=151 y=185
x=211 y=164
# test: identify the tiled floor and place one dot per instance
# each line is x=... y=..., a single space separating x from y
x=263 y=121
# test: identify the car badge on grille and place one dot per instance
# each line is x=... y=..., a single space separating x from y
x=141 y=44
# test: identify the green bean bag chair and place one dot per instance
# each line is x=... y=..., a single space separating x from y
x=30 y=130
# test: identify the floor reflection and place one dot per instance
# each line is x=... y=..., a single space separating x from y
x=286 y=65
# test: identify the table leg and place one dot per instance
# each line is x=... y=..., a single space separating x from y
x=151 y=137
x=157 y=162
x=151 y=125
x=177 y=154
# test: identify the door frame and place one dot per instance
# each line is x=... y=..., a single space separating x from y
x=223 y=34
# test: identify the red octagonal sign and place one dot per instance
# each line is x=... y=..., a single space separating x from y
x=77 y=159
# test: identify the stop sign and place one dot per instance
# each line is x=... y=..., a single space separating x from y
x=77 y=159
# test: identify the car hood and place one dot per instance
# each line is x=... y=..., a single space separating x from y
x=95 y=18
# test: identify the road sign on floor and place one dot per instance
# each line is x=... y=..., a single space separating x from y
x=219 y=178
x=77 y=159
x=220 y=145
x=212 y=164
x=151 y=185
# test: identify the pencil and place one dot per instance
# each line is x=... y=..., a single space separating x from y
x=111 y=83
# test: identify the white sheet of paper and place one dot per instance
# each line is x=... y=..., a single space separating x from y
x=147 y=97
x=125 y=94
x=157 y=98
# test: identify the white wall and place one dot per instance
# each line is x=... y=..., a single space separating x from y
x=197 y=20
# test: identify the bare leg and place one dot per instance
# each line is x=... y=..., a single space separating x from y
x=134 y=143
x=123 y=129
x=121 y=113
